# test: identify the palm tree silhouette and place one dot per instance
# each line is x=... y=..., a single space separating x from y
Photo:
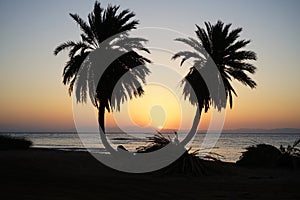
x=105 y=33
x=219 y=45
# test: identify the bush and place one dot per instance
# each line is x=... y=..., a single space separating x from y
x=8 y=142
x=260 y=155
x=264 y=155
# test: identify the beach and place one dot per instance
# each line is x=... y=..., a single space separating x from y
x=52 y=174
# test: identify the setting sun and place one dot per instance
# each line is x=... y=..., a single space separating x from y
x=157 y=109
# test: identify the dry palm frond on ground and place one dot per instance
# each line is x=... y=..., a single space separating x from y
x=189 y=163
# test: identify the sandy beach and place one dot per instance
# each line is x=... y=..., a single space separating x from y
x=49 y=174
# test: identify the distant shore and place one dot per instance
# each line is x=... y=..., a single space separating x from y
x=50 y=174
x=117 y=130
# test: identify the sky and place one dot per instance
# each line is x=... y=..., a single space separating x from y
x=33 y=97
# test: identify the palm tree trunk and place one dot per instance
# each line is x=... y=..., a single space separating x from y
x=101 y=121
x=101 y=115
x=194 y=128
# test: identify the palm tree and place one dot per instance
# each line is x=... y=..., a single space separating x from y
x=102 y=25
x=218 y=44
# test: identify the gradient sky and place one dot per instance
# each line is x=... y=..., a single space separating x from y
x=34 y=99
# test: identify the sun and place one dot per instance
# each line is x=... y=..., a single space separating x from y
x=159 y=127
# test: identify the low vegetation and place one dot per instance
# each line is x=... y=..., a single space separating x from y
x=189 y=163
x=8 y=142
x=265 y=155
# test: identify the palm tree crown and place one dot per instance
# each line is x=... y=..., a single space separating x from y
x=103 y=24
x=222 y=46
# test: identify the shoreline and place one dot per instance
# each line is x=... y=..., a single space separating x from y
x=228 y=146
x=52 y=174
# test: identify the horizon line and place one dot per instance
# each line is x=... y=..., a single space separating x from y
x=240 y=130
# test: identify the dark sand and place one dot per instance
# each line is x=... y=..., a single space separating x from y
x=48 y=174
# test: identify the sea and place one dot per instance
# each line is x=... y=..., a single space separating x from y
x=225 y=146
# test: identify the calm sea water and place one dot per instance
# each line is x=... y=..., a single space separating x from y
x=229 y=145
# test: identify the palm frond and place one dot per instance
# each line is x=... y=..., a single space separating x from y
x=296 y=143
x=241 y=55
x=77 y=47
x=236 y=46
x=243 y=78
x=63 y=46
x=204 y=38
x=186 y=55
x=72 y=67
x=193 y=43
x=232 y=36
x=242 y=66
x=83 y=26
